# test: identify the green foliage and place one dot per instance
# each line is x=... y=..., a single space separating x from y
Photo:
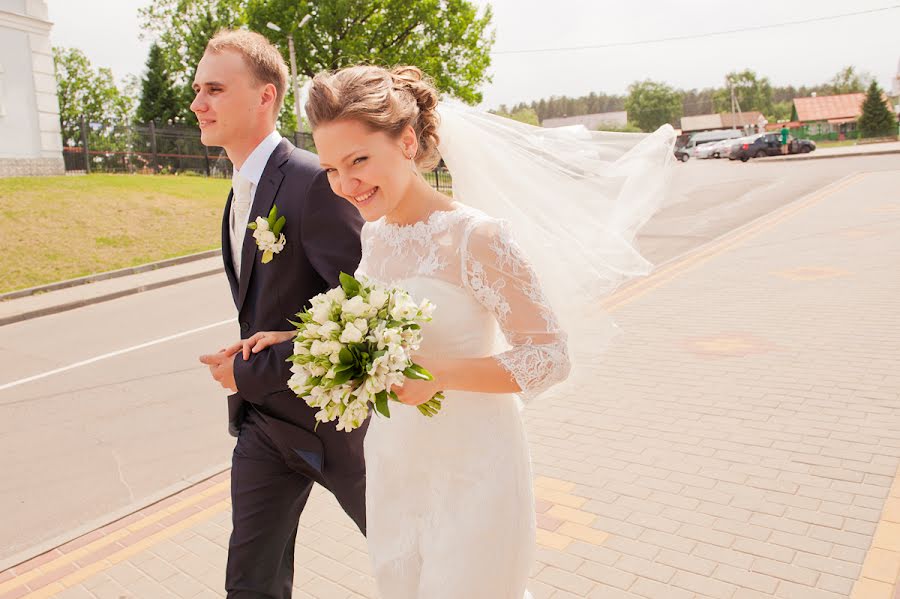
x=560 y=106
x=450 y=40
x=181 y=29
x=877 y=118
x=751 y=91
x=628 y=128
x=91 y=92
x=160 y=101
x=651 y=104
x=523 y=115
x=781 y=111
x=848 y=81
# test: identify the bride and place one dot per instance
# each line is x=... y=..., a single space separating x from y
x=449 y=499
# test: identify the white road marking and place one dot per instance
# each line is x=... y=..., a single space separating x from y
x=113 y=354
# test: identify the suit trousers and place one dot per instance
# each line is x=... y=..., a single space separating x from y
x=268 y=495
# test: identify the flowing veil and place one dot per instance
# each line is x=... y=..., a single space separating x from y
x=574 y=199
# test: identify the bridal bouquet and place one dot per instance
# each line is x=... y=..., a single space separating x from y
x=352 y=344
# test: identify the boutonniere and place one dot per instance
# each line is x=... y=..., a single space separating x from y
x=268 y=235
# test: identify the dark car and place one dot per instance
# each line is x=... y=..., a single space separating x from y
x=770 y=145
x=682 y=154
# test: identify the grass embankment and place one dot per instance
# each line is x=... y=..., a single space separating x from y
x=55 y=228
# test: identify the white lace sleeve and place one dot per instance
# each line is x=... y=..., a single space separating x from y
x=500 y=277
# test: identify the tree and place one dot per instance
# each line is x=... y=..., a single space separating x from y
x=651 y=104
x=877 y=119
x=182 y=29
x=751 y=91
x=92 y=93
x=159 y=100
x=848 y=81
x=450 y=40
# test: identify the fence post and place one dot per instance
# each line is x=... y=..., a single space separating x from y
x=84 y=145
x=206 y=156
x=154 y=160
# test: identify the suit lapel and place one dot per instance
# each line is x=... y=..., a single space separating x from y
x=269 y=183
x=226 y=249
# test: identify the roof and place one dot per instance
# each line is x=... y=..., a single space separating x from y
x=743 y=119
x=701 y=122
x=823 y=108
x=591 y=121
x=725 y=120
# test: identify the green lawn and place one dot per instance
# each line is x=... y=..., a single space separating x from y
x=55 y=228
x=835 y=144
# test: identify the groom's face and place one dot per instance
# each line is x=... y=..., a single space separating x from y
x=227 y=100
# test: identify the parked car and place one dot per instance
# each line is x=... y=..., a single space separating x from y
x=770 y=145
x=734 y=150
x=703 y=138
x=714 y=149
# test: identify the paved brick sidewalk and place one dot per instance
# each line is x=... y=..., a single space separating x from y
x=743 y=441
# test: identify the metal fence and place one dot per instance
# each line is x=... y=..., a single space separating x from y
x=164 y=149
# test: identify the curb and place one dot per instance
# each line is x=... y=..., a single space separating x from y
x=104 y=298
x=112 y=274
x=112 y=518
x=812 y=156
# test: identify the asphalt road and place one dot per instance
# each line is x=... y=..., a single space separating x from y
x=141 y=418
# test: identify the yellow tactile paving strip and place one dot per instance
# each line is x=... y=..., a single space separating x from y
x=881 y=568
x=560 y=519
x=78 y=560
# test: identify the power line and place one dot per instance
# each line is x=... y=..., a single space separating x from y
x=698 y=35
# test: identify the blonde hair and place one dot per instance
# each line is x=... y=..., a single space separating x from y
x=265 y=62
x=384 y=100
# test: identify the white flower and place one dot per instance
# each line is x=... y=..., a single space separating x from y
x=321 y=313
x=351 y=333
x=336 y=295
x=355 y=306
x=378 y=297
x=328 y=330
x=261 y=225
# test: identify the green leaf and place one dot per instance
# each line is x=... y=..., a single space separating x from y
x=381 y=404
x=267 y=256
x=279 y=225
x=273 y=215
x=350 y=285
x=346 y=356
x=416 y=372
x=342 y=377
x=252 y=226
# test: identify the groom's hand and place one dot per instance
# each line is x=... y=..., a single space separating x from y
x=221 y=367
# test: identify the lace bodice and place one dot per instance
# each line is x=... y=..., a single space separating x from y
x=476 y=253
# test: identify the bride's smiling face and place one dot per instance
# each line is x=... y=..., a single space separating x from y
x=368 y=168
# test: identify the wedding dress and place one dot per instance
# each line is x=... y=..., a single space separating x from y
x=449 y=499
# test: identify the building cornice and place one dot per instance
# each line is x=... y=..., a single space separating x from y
x=24 y=23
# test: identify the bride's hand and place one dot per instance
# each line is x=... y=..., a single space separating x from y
x=415 y=392
x=260 y=341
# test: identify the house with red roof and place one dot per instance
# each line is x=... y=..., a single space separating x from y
x=824 y=115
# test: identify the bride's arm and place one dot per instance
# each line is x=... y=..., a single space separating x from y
x=501 y=279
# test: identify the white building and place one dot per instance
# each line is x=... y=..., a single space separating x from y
x=30 y=141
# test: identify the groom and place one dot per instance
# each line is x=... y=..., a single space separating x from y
x=239 y=86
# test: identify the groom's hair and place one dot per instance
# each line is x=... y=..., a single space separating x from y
x=262 y=58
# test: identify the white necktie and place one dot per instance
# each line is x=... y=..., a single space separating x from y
x=240 y=206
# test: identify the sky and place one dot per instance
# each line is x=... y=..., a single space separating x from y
x=108 y=31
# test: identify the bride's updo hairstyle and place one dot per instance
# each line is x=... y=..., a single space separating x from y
x=384 y=100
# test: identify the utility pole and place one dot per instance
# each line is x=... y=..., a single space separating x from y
x=293 y=55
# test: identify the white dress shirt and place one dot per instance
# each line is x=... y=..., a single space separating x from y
x=252 y=171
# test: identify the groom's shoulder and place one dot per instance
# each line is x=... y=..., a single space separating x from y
x=301 y=163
